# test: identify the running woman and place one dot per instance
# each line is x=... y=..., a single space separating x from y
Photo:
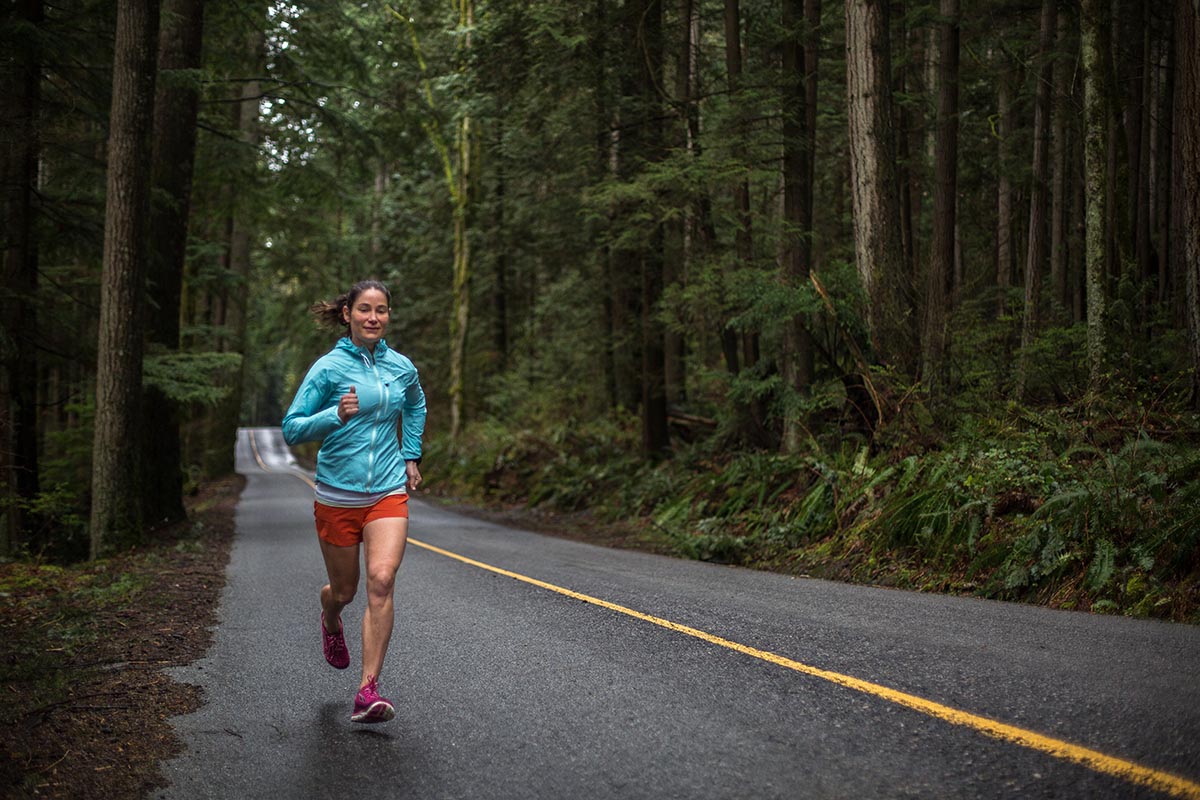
x=351 y=401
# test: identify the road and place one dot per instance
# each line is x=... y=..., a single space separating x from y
x=527 y=666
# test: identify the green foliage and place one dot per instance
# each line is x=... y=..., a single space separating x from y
x=204 y=378
x=1013 y=507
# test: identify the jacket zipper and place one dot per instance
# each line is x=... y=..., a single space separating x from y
x=379 y=409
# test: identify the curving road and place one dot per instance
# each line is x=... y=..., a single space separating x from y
x=525 y=666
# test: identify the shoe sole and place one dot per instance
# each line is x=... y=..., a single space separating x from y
x=379 y=711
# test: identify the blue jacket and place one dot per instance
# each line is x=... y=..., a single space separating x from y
x=364 y=454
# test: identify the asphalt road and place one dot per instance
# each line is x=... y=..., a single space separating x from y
x=694 y=681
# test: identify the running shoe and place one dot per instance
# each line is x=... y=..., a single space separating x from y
x=369 y=706
x=335 y=646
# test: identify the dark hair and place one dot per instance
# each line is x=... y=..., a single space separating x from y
x=329 y=312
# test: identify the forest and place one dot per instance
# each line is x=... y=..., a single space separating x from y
x=903 y=292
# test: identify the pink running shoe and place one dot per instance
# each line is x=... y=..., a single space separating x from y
x=369 y=706
x=335 y=646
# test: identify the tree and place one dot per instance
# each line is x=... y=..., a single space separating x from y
x=174 y=142
x=1062 y=75
x=116 y=517
x=873 y=186
x=655 y=436
x=21 y=93
x=945 y=188
x=1004 y=189
x=1187 y=110
x=1093 y=38
x=458 y=169
x=802 y=20
x=1036 y=253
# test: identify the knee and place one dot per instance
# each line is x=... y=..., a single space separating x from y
x=342 y=595
x=381 y=581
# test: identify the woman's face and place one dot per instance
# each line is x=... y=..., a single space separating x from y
x=368 y=318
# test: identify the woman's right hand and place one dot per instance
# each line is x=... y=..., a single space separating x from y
x=348 y=406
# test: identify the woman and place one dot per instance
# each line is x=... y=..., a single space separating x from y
x=350 y=401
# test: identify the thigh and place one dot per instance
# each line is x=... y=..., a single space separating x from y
x=341 y=564
x=383 y=544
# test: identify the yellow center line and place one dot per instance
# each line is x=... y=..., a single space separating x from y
x=1092 y=759
x=254 y=448
x=263 y=465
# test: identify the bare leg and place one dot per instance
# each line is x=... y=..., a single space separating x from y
x=341 y=565
x=383 y=548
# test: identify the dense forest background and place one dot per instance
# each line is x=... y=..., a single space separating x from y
x=904 y=292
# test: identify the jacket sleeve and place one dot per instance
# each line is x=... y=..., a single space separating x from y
x=413 y=420
x=311 y=418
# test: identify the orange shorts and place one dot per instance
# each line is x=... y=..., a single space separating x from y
x=343 y=527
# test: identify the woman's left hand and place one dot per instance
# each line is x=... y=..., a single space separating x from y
x=414 y=474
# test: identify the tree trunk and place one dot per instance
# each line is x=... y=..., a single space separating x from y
x=1036 y=252
x=945 y=182
x=1164 y=170
x=1062 y=71
x=912 y=149
x=1093 y=18
x=1141 y=185
x=700 y=232
x=655 y=435
x=1187 y=111
x=21 y=96
x=800 y=54
x=500 y=274
x=873 y=183
x=1004 y=202
x=174 y=142
x=626 y=150
x=677 y=266
x=741 y=190
x=744 y=234
x=460 y=314
x=116 y=519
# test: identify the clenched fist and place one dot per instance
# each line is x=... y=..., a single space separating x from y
x=348 y=406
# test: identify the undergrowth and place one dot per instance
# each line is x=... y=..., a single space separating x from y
x=1061 y=506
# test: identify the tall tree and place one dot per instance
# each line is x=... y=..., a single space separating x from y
x=220 y=297
x=462 y=181
x=800 y=61
x=174 y=142
x=1004 y=187
x=743 y=234
x=1164 y=163
x=458 y=169
x=21 y=95
x=655 y=436
x=1060 y=109
x=1036 y=252
x=877 y=247
x=1094 y=21
x=683 y=230
x=116 y=517
x=743 y=219
x=911 y=143
x=1187 y=111
x=945 y=190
